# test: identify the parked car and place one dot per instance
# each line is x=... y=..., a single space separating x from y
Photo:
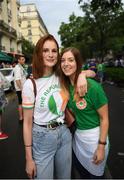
x=9 y=74
x=6 y=84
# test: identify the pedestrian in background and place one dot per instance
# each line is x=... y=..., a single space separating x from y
x=49 y=148
x=92 y=65
x=119 y=62
x=3 y=103
x=101 y=71
x=90 y=143
x=19 y=79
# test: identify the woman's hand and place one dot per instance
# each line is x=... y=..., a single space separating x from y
x=31 y=169
x=99 y=154
x=82 y=84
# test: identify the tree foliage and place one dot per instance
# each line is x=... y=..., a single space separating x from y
x=27 y=49
x=101 y=28
x=75 y=33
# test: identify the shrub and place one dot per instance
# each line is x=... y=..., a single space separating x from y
x=116 y=74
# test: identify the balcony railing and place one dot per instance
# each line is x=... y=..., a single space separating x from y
x=19 y=38
x=5 y=28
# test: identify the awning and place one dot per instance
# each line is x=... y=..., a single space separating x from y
x=5 y=58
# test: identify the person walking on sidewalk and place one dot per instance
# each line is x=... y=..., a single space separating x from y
x=19 y=79
x=90 y=143
x=3 y=103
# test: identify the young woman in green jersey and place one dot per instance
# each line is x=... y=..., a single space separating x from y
x=90 y=142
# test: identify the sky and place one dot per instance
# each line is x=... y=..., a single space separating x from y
x=54 y=12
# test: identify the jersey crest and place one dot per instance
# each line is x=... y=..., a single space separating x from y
x=81 y=104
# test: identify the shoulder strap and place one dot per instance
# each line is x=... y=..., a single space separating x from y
x=34 y=85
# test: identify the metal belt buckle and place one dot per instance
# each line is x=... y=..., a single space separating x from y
x=49 y=126
x=60 y=121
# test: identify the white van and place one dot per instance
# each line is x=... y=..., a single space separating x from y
x=9 y=74
x=6 y=84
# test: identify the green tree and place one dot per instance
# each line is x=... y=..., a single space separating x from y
x=69 y=32
x=97 y=31
x=117 y=34
x=75 y=33
x=103 y=17
x=27 y=49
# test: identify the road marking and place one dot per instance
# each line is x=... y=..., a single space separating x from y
x=120 y=153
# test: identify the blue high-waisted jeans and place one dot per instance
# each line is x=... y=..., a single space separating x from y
x=52 y=152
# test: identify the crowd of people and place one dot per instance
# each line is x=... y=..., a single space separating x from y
x=99 y=67
x=56 y=82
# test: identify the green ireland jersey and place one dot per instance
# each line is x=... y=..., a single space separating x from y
x=85 y=110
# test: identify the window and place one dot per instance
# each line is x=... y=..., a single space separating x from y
x=29 y=23
x=29 y=32
x=28 y=9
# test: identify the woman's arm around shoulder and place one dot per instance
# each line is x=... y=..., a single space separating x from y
x=82 y=82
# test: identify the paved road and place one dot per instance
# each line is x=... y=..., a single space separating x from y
x=12 y=161
x=116 y=132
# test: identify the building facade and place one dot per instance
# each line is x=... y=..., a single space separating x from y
x=32 y=25
x=10 y=27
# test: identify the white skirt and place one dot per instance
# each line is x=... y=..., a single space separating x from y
x=85 y=143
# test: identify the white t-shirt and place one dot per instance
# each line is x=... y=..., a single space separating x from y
x=50 y=101
x=19 y=74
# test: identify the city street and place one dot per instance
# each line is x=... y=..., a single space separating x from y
x=116 y=131
x=12 y=149
x=12 y=161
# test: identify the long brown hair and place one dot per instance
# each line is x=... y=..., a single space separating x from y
x=37 y=62
x=63 y=78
